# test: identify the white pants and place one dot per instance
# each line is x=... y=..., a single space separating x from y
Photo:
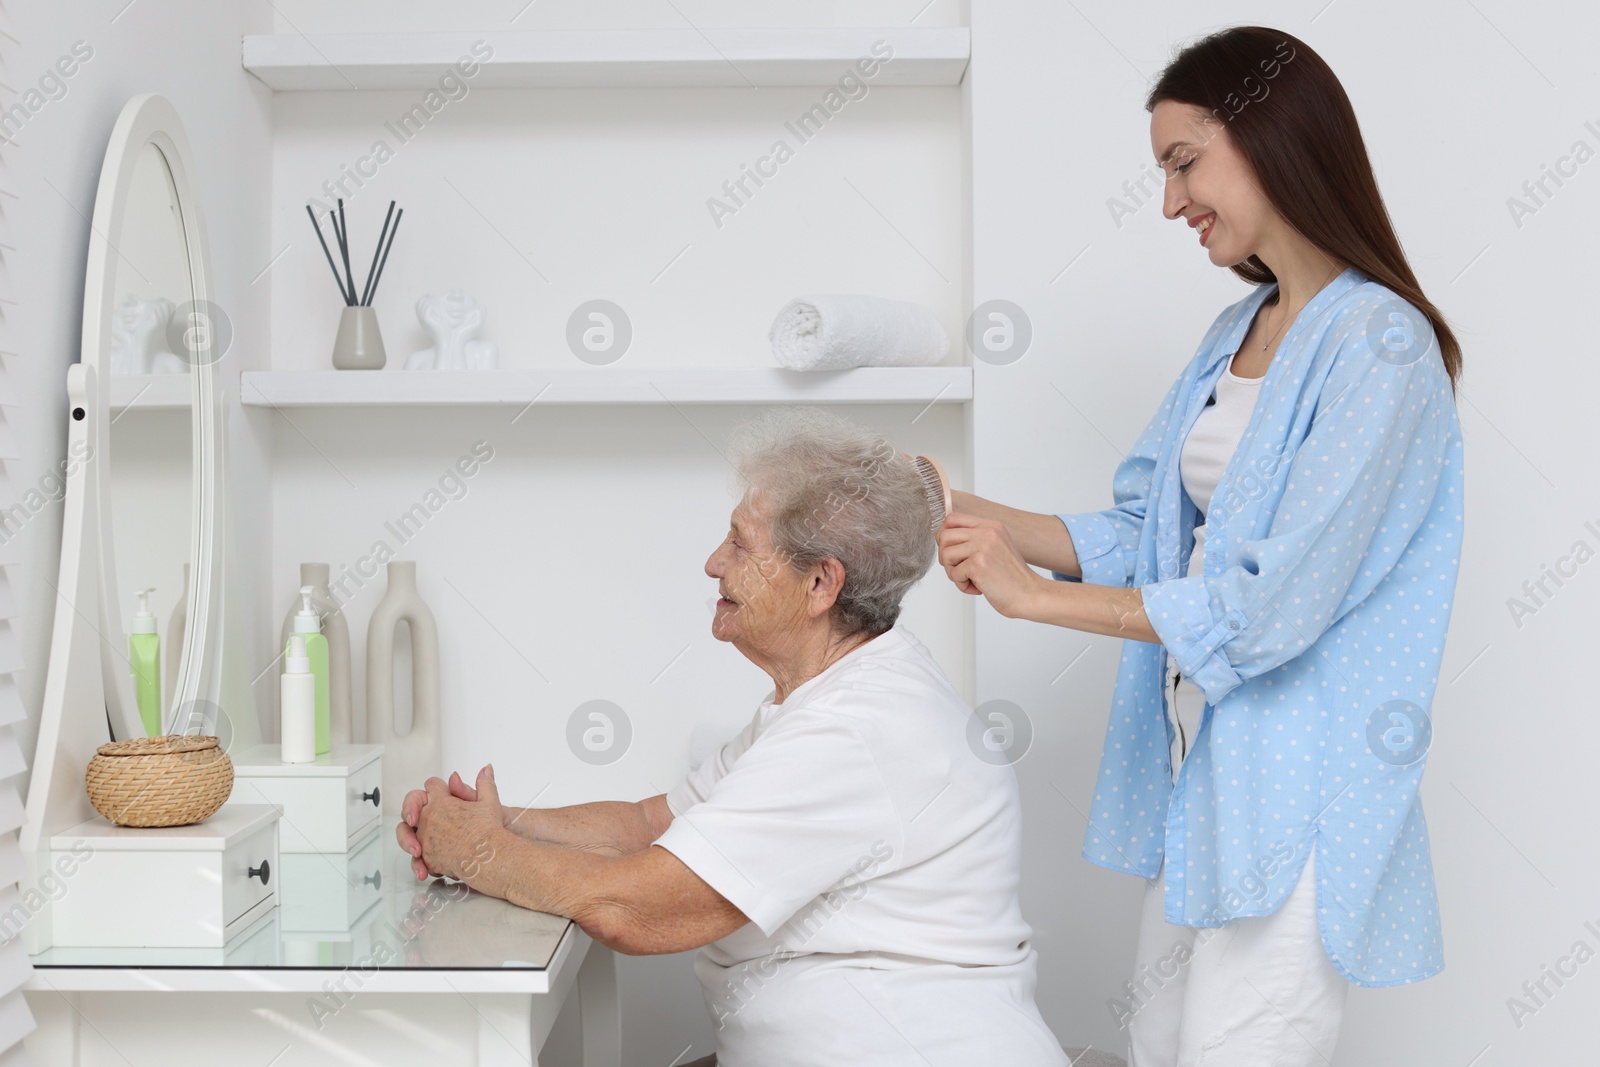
x=1185 y=702
x=1256 y=992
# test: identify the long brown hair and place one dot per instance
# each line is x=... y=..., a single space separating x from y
x=1290 y=118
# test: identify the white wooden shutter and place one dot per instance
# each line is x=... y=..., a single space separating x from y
x=16 y=1021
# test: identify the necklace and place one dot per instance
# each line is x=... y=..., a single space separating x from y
x=1268 y=341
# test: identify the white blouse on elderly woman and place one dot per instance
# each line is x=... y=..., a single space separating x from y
x=877 y=856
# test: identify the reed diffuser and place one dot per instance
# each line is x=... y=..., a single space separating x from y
x=358 y=345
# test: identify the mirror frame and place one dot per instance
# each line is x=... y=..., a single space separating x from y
x=150 y=119
x=88 y=694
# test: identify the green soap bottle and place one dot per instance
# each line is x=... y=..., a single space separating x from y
x=308 y=624
x=144 y=663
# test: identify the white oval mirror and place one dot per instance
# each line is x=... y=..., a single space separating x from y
x=148 y=337
x=151 y=445
x=150 y=340
x=144 y=453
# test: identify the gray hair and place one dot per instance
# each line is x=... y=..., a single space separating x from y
x=833 y=490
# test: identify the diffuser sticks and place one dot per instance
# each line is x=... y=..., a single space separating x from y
x=341 y=236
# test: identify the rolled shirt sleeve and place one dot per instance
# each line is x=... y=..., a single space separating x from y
x=1101 y=556
x=1369 y=462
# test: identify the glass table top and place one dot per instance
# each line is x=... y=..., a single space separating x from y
x=363 y=907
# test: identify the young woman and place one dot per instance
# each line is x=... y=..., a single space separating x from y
x=1282 y=557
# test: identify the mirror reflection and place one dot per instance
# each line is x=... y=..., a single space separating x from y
x=152 y=272
x=151 y=485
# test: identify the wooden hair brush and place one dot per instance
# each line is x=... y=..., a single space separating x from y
x=936 y=487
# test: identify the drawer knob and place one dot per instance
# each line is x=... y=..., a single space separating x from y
x=375 y=879
x=372 y=796
x=264 y=872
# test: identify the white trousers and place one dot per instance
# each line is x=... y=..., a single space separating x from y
x=1258 y=991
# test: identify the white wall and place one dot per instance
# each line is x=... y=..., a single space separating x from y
x=537 y=200
x=1459 y=106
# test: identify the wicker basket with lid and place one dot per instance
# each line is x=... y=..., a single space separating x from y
x=167 y=780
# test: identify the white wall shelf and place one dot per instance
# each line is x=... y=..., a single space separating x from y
x=684 y=57
x=607 y=385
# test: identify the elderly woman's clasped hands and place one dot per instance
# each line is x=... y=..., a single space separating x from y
x=449 y=828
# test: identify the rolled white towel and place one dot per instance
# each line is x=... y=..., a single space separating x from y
x=838 y=331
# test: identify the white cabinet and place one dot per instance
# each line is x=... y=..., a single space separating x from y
x=169 y=886
x=328 y=804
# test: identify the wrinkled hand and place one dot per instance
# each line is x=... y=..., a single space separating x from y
x=411 y=810
x=980 y=558
x=448 y=827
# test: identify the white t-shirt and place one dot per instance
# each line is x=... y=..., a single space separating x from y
x=1212 y=441
x=1215 y=436
x=877 y=858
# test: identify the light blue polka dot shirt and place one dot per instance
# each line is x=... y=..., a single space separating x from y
x=1315 y=628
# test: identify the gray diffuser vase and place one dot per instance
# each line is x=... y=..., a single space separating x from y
x=358 y=346
x=412 y=758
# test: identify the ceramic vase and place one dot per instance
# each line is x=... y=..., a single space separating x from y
x=358 y=345
x=411 y=759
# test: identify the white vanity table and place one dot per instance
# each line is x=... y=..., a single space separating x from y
x=486 y=978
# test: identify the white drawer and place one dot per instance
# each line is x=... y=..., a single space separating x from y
x=363 y=800
x=328 y=805
x=242 y=890
x=167 y=887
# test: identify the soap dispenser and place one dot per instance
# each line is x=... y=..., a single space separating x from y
x=308 y=626
x=337 y=632
x=297 y=694
x=144 y=663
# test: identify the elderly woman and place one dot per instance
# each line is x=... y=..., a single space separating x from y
x=847 y=864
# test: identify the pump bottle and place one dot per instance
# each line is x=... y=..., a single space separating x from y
x=144 y=662
x=298 y=705
x=308 y=625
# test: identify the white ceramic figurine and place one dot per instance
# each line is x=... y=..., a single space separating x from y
x=139 y=338
x=453 y=319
